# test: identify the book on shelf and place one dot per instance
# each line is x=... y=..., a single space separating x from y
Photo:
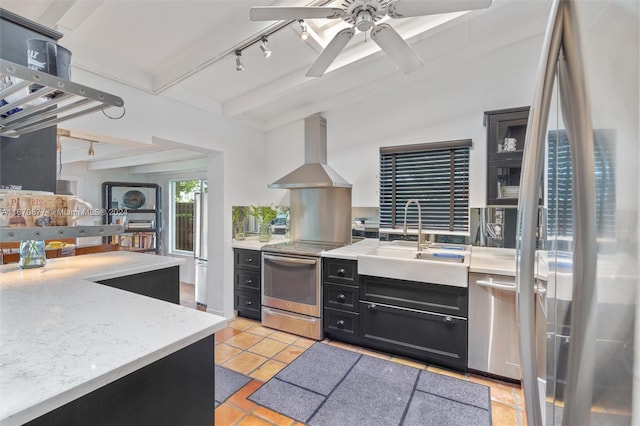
x=136 y=240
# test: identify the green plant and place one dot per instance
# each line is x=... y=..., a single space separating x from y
x=238 y=215
x=263 y=214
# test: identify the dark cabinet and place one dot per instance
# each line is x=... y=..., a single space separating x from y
x=137 y=206
x=506 y=131
x=419 y=320
x=163 y=284
x=340 y=299
x=247 y=283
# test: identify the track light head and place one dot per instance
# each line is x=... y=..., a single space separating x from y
x=264 y=47
x=304 y=34
x=239 y=66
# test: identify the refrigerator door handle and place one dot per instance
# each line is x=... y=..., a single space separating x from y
x=532 y=164
x=576 y=112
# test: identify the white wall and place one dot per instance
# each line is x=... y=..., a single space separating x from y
x=235 y=168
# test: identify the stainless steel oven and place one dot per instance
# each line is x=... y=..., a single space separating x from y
x=292 y=294
x=292 y=287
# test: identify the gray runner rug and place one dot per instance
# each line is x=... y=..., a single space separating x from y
x=330 y=386
x=227 y=383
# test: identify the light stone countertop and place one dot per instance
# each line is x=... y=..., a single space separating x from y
x=498 y=261
x=252 y=243
x=351 y=251
x=63 y=336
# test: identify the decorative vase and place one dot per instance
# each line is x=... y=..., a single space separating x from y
x=265 y=232
x=239 y=231
x=32 y=254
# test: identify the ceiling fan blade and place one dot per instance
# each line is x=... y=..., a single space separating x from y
x=409 y=8
x=394 y=45
x=331 y=52
x=282 y=13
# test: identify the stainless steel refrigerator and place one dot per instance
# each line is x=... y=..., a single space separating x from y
x=200 y=246
x=577 y=331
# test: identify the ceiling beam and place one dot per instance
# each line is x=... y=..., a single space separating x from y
x=175 y=166
x=101 y=152
x=135 y=160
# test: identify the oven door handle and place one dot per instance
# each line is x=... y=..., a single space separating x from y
x=295 y=317
x=287 y=260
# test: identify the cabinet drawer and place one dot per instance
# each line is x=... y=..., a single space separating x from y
x=442 y=299
x=434 y=338
x=247 y=280
x=249 y=259
x=341 y=325
x=342 y=297
x=340 y=271
x=247 y=304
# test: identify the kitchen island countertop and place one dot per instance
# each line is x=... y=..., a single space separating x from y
x=63 y=336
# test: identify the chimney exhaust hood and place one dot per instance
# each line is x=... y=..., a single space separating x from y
x=314 y=173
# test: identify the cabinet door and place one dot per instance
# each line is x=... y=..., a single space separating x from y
x=247 y=280
x=248 y=259
x=341 y=297
x=433 y=338
x=247 y=304
x=340 y=271
x=341 y=325
x=443 y=299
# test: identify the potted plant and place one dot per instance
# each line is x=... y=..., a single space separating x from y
x=239 y=218
x=264 y=215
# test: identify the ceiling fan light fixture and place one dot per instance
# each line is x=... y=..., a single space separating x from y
x=239 y=66
x=304 y=34
x=264 y=47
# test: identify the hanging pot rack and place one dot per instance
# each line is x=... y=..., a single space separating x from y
x=55 y=100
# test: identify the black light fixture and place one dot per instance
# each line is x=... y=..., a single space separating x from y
x=239 y=66
x=264 y=47
x=304 y=35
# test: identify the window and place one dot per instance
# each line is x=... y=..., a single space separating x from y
x=436 y=174
x=183 y=213
x=560 y=177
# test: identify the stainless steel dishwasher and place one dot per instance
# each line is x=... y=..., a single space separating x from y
x=493 y=338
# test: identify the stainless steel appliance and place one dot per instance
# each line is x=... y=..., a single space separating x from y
x=493 y=337
x=320 y=219
x=200 y=252
x=292 y=287
x=578 y=360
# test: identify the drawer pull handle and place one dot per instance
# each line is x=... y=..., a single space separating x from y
x=249 y=260
x=372 y=307
x=448 y=320
x=341 y=298
x=340 y=323
x=248 y=281
x=341 y=272
x=248 y=303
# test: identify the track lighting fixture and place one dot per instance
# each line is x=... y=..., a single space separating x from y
x=304 y=35
x=264 y=48
x=239 y=66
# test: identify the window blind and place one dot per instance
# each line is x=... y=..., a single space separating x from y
x=560 y=180
x=436 y=174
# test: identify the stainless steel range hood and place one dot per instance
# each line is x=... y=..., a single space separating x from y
x=314 y=173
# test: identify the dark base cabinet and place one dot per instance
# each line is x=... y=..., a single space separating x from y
x=163 y=284
x=340 y=299
x=247 y=283
x=419 y=320
x=433 y=338
x=175 y=390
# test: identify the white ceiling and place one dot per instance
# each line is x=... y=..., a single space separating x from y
x=183 y=49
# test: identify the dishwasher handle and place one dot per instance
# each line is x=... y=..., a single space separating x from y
x=289 y=260
x=497 y=285
x=507 y=286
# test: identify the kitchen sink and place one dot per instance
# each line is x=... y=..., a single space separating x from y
x=447 y=265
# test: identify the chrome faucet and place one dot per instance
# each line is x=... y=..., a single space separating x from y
x=404 y=230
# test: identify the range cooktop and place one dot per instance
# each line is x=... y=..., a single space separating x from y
x=302 y=248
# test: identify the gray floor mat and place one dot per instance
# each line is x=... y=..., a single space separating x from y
x=227 y=383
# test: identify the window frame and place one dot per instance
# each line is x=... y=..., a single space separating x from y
x=172 y=215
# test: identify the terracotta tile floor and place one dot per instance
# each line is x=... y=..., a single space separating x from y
x=259 y=352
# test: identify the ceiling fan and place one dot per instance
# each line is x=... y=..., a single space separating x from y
x=363 y=15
